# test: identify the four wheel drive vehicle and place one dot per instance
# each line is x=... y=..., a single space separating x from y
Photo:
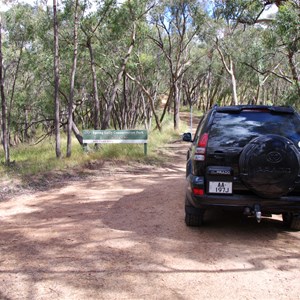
x=245 y=157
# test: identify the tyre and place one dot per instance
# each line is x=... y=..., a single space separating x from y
x=195 y=218
x=291 y=221
x=269 y=166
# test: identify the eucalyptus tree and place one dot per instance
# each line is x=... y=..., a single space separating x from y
x=73 y=88
x=245 y=12
x=72 y=79
x=56 y=82
x=146 y=70
x=29 y=65
x=247 y=54
x=128 y=16
x=19 y=32
x=204 y=83
x=109 y=34
x=175 y=30
x=92 y=27
x=227 y=36
x=284 y=35
x=229 y=66
x=5 y=141
x=279 y=42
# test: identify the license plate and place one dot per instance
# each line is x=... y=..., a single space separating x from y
x=220 y=187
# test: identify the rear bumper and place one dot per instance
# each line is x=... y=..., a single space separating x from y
x=239 y=201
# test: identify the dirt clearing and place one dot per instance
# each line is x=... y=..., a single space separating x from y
x=120 y=234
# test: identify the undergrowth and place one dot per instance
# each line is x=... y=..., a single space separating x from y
x=34 y=159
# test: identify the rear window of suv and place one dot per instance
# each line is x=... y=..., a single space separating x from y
x=237 y=129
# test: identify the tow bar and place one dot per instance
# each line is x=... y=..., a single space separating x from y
x=255 y=211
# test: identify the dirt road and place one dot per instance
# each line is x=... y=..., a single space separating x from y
x=120 y=234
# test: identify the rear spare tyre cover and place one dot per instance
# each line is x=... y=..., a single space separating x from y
x=269 y=166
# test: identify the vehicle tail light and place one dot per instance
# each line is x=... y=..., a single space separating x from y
x=201 y=147
x=198 y=192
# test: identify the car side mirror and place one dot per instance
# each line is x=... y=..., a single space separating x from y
x=187 y=137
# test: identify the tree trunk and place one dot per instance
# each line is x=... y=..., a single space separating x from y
x=124 y=111
x=3 y=105
x=26 y=125
x=176 y=104
x=77 y=133
x=167 y=104
x=56 y=83
x=95 y=86
x=233 y=83
x=72 y=82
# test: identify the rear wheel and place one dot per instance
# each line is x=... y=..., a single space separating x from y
x=193 y=220
x=193 y=216
x=291 y=221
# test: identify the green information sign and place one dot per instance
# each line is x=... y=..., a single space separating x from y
x=116 y=137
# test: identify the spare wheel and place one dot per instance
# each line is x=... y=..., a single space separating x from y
x=269 y=165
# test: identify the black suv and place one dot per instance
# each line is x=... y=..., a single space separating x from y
x=245 y=157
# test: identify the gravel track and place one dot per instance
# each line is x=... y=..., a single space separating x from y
x=120 y=234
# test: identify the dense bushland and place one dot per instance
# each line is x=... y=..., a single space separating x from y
x=79 y=64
